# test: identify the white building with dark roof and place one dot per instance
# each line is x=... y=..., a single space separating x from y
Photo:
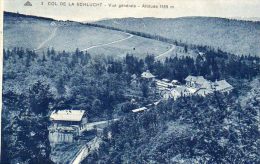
x=223 y=86
x=66 y=124
x=147 y=75
x=197 y=82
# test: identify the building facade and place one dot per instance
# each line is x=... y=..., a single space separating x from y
x=66 y=125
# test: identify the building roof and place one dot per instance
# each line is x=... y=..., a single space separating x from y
x=67 y=115
x=163 y=88
x=139 y=109
x=174 y=81
x=222 y=84
x=201 y=80
x=162 y=83
x=189 y=78
x=206 y=84
x=166 y=80
x=147 y=75
x=198 y=80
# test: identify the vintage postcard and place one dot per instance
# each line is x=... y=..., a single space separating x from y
x=130 y=81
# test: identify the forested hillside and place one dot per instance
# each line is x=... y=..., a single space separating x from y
x=237 y=37
x=53 y=65
x=215 y=129
x=36 y=84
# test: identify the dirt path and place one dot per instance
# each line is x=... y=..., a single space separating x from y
x=106 y=44
x=92 y=125
x=165 y=53
x=51 y=36
x=86 y=150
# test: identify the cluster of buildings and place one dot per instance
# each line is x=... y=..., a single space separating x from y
x=68 y=124
x=172 y=89
x=195 y=85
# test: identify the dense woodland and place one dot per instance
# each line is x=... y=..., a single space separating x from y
x=35 y=84
x=215 y=129
x=211 y=31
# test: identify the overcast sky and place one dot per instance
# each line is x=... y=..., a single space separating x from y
x=215 y=8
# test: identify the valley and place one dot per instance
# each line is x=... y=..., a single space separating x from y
x=130 y=90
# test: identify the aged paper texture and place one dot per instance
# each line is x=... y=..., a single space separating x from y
x=130 y=81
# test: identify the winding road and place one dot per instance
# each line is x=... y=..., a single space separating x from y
x=53 y=34
x=86 y=150
x=130 y=36
x=165 y=53
x=106 y=44
x=92 y=125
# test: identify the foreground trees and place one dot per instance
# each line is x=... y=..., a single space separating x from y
x=193 y=129
x=25 y=123
x=189 y=130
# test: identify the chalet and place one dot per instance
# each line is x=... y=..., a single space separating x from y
x=147 y=75
x=219 y=86
x=197 y=82
x=66 y=124
x=223 y=86
x=68 y=117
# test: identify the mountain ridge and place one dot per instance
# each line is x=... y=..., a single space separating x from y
x=233 y=36
x=230 y=35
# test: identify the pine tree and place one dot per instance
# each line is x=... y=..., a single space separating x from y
x=61 y=87
x=44 y=58
x=40 y=98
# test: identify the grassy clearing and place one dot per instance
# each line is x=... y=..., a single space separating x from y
x=40 y=34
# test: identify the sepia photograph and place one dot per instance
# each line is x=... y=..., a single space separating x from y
x=130 y=82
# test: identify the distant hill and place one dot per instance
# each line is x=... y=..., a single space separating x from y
x=39 y=33
x=253 y=19
x=234 y=36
